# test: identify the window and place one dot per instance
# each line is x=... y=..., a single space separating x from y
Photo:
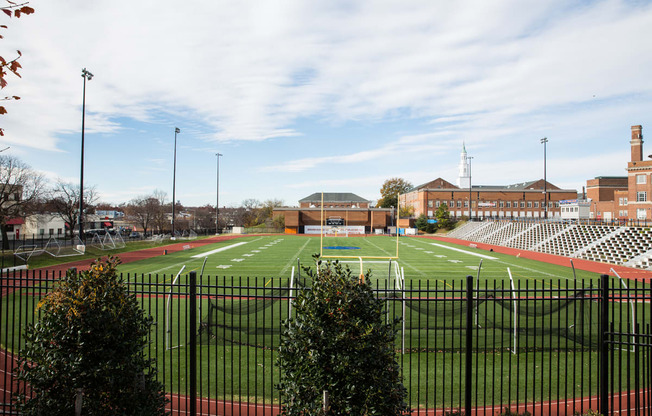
x=430 y=203
x=509 y=204
x=437 y=204
x=641 y=197
x=41 y=231
x=452 y=204
x=625 y=201
x=536 y=204
x=459 y=204
x=51 y=231
x=502 y=204
x=59 y=231
x=466 y=204
x=522 y=204
x=640 y=179
x=529 y=204
x=641 y=214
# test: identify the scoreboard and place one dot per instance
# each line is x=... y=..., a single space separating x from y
x=334 y=221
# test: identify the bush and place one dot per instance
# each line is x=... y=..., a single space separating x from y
x=339 y=342
x=89 y=339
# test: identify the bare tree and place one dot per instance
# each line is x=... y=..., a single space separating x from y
x=250 y=216
x=64 y=203
x=266 y=212
x=20 y=189
x=160 y=220
x=143 y=210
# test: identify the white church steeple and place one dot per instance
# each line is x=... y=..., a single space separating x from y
x=464 y=179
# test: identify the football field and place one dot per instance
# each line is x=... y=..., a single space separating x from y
x=420 y=259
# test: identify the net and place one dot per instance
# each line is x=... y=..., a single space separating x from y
x=27 y=251
x=59 y=248
x=249 y=315
x=501 y=321
x=107 y=241
x=433 y=319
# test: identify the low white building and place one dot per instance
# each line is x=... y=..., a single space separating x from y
x=575 y=209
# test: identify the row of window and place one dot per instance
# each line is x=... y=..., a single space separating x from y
x=41 y=231
x=494 y=204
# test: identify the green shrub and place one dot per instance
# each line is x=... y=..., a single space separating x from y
x=340 y=342
x=89 y=339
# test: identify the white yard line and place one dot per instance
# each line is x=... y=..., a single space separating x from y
x=501 y=262
x=293 y=259
x=484 y=256
x=217 y=250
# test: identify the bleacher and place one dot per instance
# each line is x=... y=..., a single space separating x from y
x=621 y=245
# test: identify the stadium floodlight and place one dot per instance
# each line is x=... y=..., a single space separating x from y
x=217 y=195
x=87 y=76
x=174 y=177
x=545 y=180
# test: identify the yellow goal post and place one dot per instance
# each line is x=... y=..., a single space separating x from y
x=361 y=258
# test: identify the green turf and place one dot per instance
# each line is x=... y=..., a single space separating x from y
x=420 y=259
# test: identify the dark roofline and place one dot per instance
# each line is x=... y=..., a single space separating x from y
x=334 y=197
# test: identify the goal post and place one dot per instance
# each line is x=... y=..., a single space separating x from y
x=325 y=227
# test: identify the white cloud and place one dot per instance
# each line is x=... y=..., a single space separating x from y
x=494 y=74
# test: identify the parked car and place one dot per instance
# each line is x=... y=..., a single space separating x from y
x=135 y=234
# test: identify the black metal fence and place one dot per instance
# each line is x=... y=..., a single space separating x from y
x=554 y=347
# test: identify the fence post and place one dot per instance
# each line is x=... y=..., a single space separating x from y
x=192 y=341
x=604 y=350
x=469 y=345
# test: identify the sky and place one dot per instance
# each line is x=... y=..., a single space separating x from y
x=334 y=96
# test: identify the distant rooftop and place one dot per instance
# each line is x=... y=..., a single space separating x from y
x=333 y=197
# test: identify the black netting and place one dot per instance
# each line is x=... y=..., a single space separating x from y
x=253 y=316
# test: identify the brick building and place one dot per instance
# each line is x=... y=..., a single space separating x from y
x=520 y=200
x=346 y=211
x=624 y=197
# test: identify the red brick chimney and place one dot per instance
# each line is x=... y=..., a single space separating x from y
x=637 y=143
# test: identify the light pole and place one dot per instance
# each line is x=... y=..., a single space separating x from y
x=470 y=212
x=174 y=178
x=87 y=76
x=217 y=195
x=545 y=180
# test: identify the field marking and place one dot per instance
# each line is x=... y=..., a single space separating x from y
x=529 y=269
x=217 y=250
x=292 y=260
x=409 y=265
x=484 y=256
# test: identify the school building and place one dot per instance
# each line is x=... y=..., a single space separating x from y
x=532 y=199
x=624 y=197
x=346 y=212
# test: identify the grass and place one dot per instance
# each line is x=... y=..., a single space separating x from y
x=237 y=361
